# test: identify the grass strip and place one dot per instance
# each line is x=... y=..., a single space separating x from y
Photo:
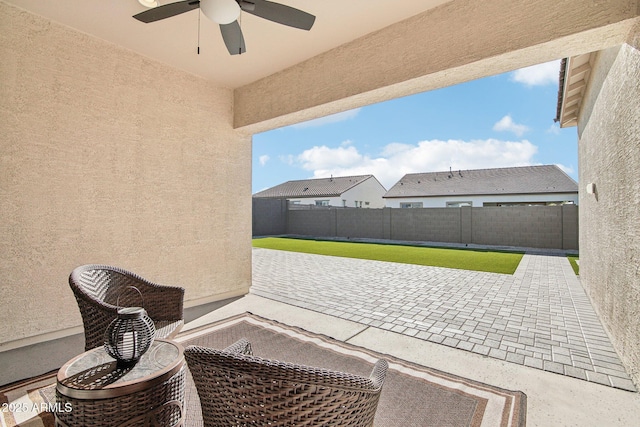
x=465 y=259
x=574 y=264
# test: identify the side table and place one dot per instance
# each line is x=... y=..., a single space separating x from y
x=93 y=391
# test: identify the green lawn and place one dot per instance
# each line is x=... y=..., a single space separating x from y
x=466 y=259
x=574 y=264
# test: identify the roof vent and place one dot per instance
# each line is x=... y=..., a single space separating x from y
x=305 y=188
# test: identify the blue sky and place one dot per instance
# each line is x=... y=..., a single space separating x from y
x=499 y=121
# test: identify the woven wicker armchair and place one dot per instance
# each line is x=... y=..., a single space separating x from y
x=238 y=389
x=98 y=288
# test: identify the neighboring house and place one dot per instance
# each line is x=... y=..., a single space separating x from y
x=516 y=186
x=363 y=191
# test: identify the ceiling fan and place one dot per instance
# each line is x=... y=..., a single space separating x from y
x=226 y=13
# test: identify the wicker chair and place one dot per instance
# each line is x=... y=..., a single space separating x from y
x=238 y=389
x=98 y=288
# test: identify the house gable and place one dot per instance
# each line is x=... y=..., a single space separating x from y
x=343 y=191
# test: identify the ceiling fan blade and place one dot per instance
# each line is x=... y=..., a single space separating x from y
x=233 y=39
x=279 y=13
x=167 y=11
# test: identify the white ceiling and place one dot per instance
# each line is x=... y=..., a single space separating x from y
x=271 y=47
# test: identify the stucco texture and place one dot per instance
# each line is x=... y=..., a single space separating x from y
x=455 y=42
x=108 y=157
x=609 y=156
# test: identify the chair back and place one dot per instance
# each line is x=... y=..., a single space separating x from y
x=101 y=289
x=238 y=390
x=102 y=283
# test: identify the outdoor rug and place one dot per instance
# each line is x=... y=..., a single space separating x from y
x=26 y=403
x=412 y=395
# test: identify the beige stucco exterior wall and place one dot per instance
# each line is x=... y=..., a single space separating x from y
x=609 y=156
x=108 y=157
x=460 y=40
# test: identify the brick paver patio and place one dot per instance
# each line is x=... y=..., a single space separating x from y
x=538 y=317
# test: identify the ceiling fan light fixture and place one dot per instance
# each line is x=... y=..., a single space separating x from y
x=148 y=3
x=220 y=11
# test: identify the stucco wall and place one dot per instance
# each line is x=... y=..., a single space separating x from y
x=368 y=194
x=467 y=39
x=609 y=156
x=333 y=201
x=108 y=157
x=479 y=201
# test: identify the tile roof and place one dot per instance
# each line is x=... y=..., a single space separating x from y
x=322 y=187
x=515 y=180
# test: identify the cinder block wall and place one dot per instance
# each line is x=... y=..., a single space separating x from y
x=366 y=223
x=570 y=227
x=314 y=222
x=551 y=227
x=269 y=216
x=536 y=227
x=609 y=156
x=431 y=224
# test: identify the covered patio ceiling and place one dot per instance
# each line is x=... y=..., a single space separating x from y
x=358 y=52
x=271 y=47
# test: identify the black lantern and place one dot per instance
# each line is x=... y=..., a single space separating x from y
x=129 y=336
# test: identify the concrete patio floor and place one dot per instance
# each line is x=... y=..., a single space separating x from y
x=539 y=317
x=343 y=309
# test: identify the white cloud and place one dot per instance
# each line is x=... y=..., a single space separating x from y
x=395 y=148
x=396 y=159
x=507 y=124
x=333 y=118
x=538 y=75
x=324 y=157
x=263 y=159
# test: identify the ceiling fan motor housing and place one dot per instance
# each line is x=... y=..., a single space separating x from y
x=226 y=14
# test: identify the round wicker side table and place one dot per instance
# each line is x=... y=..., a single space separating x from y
x=92 y=390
